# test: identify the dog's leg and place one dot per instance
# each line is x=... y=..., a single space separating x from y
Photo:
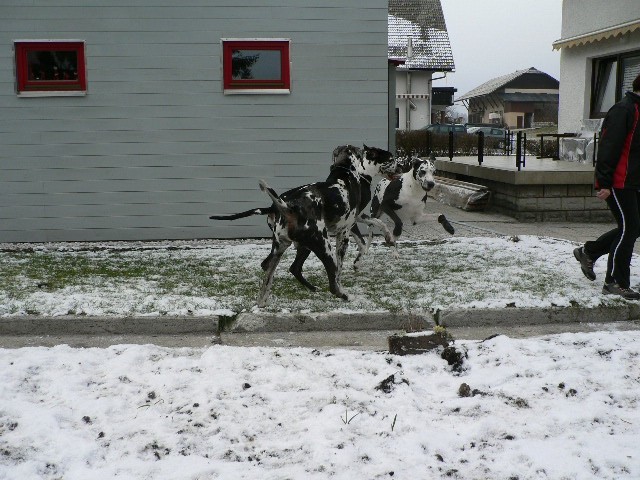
x=321 y=246
x=360 y=243
x=397 y=226
x=277 y=249
x=376 y=222
x=440 y=218
x=296 y=267
x=342 y=243
x=265 y=263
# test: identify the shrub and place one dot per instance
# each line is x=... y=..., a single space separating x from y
x=416 y=143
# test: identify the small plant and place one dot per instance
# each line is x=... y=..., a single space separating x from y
x=442 y=332
x=347 y=420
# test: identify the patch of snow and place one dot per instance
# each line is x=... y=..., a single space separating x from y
x=562 y=406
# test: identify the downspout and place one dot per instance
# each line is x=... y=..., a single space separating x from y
x=408 y=105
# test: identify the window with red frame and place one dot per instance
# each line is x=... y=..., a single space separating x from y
x=50 y=67
x=256 y=66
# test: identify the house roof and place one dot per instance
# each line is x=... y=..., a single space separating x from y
x=422 y=21
x=497 y=83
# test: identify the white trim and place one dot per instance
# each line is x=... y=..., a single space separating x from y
x=261 y=39
x=48 y=40
x=53 y=93
x=257 y=91
x=597 y=35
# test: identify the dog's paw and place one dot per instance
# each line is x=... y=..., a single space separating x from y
x=445 y=224
x=390 y=241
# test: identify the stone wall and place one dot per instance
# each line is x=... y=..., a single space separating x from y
x=542 y=203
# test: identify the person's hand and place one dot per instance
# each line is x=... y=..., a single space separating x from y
x=603 y=193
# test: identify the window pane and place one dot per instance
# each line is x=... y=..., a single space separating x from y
x=630 y=70
x=48 y=65
x=605 y=87
x=256 y=64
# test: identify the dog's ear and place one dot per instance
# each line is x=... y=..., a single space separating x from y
x=416 y=163
x=337 y=151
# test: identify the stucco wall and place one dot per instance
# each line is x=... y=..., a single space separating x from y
x=580 y=17
x=583 y=16
x=575 y=77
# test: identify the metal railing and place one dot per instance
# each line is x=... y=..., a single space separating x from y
x=512 y=141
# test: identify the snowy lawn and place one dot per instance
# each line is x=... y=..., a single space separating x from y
x=223 y=277
x=557 y=407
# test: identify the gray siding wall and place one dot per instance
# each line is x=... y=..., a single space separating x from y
x=154 y=148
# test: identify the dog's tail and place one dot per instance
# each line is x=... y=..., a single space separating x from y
x=278 y=203
x=248 y=213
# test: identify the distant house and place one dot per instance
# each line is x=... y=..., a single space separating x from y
x=521 y=99
x=419 y=47
x=600 y=57
x=137 y=120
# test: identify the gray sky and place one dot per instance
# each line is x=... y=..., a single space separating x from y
x=491 y=38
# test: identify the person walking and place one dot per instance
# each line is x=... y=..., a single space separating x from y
x=617 y=175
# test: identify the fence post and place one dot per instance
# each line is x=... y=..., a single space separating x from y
x=508 y=142
x=450 y=145
x=518 y=149
x=595 y=146
x=480 y=147
x=524 y=150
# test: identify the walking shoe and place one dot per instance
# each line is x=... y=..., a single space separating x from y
x=615 y=289
x=586 y=264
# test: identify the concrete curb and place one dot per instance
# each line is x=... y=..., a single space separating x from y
x=297 y=322
x=316 y=322
x=477 y=317
x=74 y=325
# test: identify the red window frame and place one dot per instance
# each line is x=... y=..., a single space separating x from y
x=26 y=84
x=231 y=85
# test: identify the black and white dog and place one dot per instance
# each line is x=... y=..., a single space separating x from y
x=404 y=199
x=307 y=215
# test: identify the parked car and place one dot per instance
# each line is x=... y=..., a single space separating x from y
x=445 y=128
x=488 y=131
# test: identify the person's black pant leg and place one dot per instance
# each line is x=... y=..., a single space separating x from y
x=624 y=204
x=601 y=245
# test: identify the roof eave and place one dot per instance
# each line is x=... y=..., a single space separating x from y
x=597 y=35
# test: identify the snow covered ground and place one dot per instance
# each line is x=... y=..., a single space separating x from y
x=556 y=407
x=223 y=277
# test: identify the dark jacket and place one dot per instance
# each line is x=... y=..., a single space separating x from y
x=618 y=161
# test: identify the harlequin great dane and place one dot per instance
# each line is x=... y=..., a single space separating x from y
x=307 y=215
x=404 y=199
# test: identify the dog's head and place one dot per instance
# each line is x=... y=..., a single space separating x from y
x=346 y=156
x=376 y=161
x=346 y=153
x=423 y=172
